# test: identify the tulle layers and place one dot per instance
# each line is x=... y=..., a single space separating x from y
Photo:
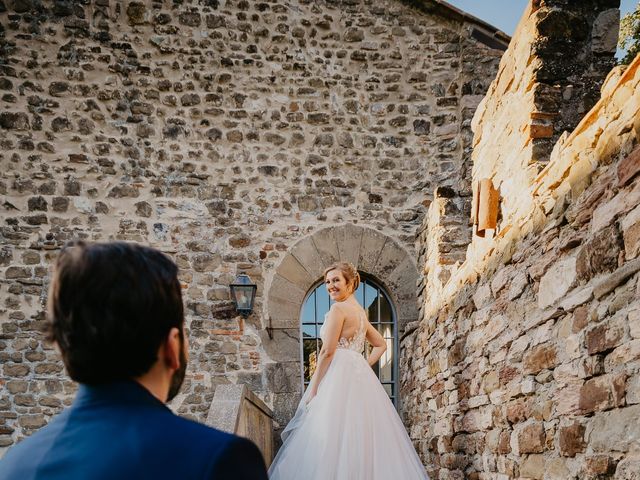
x=349 y=431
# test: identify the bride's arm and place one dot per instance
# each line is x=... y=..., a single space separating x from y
x=335 y=320
x=378 y=343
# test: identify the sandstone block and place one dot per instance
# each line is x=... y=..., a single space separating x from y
x=615 y=431
x=633 y=318
x=608 y=211
x=528 y=438
x=628 y=469
x=518 y=411
x=629 y=167
x=558 y=280
x=612 y=280
x=482 y=296
x=600 y=254
x=624 y=354
x=571 y=439
x=605 y=336
x=540 y=357
x=478 y=419
x=602 y=393
x=599 y=465
x=631 y=232
x=533 y=466
x=633 y=390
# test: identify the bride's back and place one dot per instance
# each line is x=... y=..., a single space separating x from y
x=353 y=314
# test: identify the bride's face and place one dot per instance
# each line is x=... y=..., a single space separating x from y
x=337 y=285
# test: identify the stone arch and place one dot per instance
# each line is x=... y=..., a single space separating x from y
x=370 y=251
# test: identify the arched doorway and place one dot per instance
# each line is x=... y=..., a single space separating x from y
x=379 y=256
x=381 y=313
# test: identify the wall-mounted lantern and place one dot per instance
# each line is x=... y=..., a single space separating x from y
x=243 y=293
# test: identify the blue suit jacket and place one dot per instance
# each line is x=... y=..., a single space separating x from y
x=121 y=431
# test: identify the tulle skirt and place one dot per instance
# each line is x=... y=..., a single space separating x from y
x=349 y=431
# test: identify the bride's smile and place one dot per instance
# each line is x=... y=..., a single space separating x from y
x=337 y=286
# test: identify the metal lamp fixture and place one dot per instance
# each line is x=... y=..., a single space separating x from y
x=243 y=292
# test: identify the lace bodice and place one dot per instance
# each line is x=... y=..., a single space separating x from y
x=356 y=342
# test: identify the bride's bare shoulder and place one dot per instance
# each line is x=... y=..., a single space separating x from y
x=336 y=310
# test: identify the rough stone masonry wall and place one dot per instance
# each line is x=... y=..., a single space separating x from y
x=220 y=132
x=529 y=365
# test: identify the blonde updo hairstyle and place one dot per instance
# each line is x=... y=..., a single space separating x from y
x=348 y=271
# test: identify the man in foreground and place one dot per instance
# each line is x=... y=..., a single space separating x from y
x=116 y=315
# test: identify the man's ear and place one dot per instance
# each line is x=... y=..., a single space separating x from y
x=171 y=349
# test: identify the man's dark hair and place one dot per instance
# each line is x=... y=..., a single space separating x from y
x=111 y=306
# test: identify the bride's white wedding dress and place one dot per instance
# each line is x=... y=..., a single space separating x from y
x=350 y=430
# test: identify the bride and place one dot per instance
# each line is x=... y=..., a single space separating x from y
x=346 y=428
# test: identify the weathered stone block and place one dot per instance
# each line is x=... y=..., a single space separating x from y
x=607 y=212
x=14 y=121
x=625 y=353
x=528 y=438
x=518 y=411
x=348 y=238
x=631 y=233
x=372 y=243
x=600 y=254
x=540 y=357
x=353 y=34
x=603 y=35
x=32 y=421
x=283 y=377
x=599 y=465
x=123 y=191
x=533 y=466
x=602 y=393
x=478 y=419
x=629 y=167
x=612 y=280
x=136 y=13
x=558 y=280
x=605 y=336
x=571 y=439
x=190 y=19
x=633 y=389
x=326 y=245
x=285 y=345
x=628 y=469
x=615 y=431
x=633 y=318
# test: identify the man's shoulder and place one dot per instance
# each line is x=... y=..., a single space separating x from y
x=192 y=428
x=142 y=434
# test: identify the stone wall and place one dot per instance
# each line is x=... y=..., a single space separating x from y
x=527 y=363
x=221 y=132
